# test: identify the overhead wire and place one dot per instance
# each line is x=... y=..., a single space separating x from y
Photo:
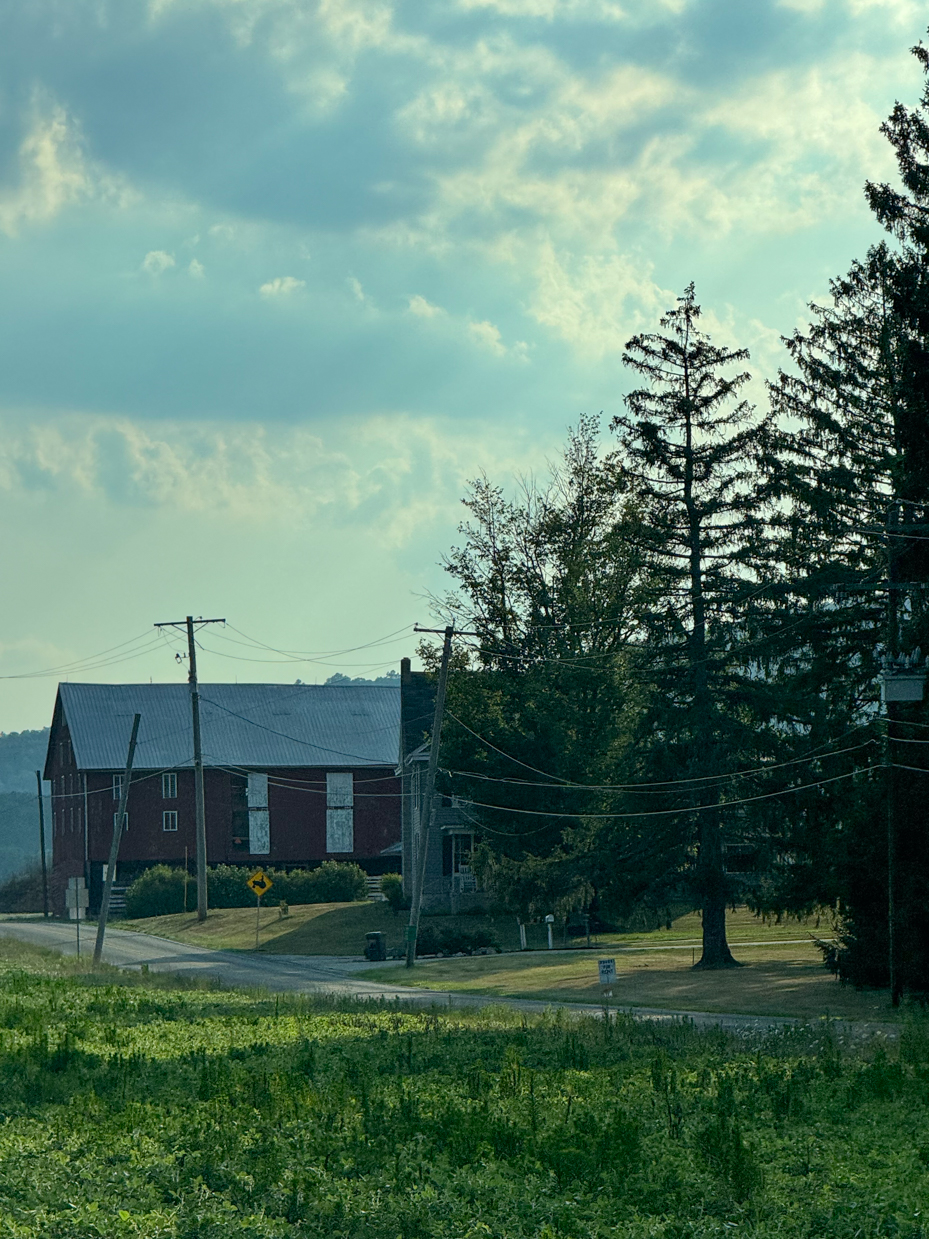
x=720 y=805
x=312 y=655
x=558 y=782
x=283 y=734
x=94 y=661
x=633 y=787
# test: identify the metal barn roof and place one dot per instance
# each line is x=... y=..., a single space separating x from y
x=253 y=725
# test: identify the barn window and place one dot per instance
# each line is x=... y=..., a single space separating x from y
x=169 y=788
x=340 y=814
x=169 y=820
x=125 y=821
x=117 y=786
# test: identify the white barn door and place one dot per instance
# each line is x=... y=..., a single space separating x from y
x=259 y=820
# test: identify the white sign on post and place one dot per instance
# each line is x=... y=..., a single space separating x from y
x=607 y=969
x=77 y=899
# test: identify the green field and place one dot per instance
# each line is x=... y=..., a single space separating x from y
x=340 y=928
x=134 y=1109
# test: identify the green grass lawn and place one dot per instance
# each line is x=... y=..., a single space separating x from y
x=776 y=979
x=340 y=928
x=131 y=1108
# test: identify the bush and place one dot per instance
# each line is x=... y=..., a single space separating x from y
x=333 y=882
x=432 y=941
x=226 y=887
x=23 y=892
x=158 y=891
x=392 y=890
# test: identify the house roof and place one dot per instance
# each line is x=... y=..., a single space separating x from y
x=259 y=726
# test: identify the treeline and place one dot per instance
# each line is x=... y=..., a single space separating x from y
x=675 y=690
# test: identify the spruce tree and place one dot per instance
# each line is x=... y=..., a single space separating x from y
x=691 y=444
x=856 y=410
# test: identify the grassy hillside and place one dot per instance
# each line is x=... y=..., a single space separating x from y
x=340 y=928
x=138 y=1110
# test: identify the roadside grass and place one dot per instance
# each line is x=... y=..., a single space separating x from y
x=340 y=928
x=777 y=979
x=129 y=1109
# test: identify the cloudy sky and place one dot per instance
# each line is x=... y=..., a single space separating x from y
x=278 y=276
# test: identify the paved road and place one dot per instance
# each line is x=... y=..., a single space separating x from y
x=331 y=974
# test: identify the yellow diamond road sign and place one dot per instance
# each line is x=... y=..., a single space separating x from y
x=259 y=883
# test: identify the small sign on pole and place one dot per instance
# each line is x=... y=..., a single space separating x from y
x=607 y=970
x=77 y=900
x=259 y=884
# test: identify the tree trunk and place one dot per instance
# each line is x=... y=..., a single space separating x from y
x=711 y=871
x=711 y=877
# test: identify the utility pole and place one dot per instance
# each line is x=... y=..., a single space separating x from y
x=891 y=643
x=427 y=811
x=114 y=846
x=38 y=779
x=903 y=681
x=188 y=624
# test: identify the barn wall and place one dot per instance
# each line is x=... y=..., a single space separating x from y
x=297 y=802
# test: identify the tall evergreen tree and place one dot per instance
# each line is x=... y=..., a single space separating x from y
x=691 y=446
x=857 y=407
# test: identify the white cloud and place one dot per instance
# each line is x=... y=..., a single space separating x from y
x=488 y=336
x=282 y=286
x=54 y=172
x=595 y=302
x=196 y=269
x=396 y=474
x=156 y=262
x=593 y=10
x=424 y=309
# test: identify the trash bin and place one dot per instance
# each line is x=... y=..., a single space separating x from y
x=375 y=945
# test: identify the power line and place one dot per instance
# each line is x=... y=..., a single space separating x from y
x=723 y=804
x=557 y=781
x=313 y=655
x=93 y=662
x=283 y=734
x=632 y=787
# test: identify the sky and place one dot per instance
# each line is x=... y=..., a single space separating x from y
x=277 y=277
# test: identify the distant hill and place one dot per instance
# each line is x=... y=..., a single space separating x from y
x=22 y=753
x=19 y=832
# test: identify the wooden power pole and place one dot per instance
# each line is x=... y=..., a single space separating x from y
x=38 y=780
x=427 y=813
x=118 y=827
x=189 y=624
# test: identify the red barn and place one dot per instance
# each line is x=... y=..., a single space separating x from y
x=294 y=774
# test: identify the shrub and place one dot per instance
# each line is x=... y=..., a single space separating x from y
x=333 y=882
x=23 y=892
x=226 y=887
x=158 y=891
x=431 y=941
x=392 y=890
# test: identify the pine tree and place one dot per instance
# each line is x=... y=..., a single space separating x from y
x=857 y=408
x=691 y=444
